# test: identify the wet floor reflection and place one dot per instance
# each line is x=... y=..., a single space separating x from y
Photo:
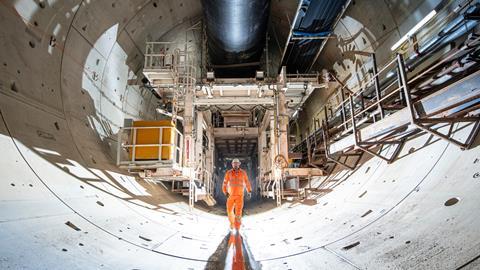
x=231 y=254
x=234 y=259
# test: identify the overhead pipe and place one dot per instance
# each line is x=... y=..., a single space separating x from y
x=235 y=30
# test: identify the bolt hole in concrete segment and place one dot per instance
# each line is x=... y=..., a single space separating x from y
x=71 y=225
x=145 y=238
x=452 y=201
x=366 y=213
x=13 y=87
x=351 y=245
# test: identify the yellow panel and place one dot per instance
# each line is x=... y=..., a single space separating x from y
x=152 y=136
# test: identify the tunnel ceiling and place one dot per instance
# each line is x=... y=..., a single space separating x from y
x=236 y=34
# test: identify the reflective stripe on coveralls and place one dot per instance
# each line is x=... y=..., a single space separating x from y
x=235 y=181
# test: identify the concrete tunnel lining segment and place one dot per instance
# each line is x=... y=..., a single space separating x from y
x=56 y=168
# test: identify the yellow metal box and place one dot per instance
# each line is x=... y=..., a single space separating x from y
x=151 y=135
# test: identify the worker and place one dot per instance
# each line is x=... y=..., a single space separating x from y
x=236 y=180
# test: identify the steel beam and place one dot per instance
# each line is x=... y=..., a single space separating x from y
x=233 y=100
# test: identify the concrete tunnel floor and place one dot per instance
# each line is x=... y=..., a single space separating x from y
x=65 y=205
x=415 y=213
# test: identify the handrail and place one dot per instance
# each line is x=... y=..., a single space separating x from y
x=333 y=105
x=373 y=77
x=371 y=100
x=176 y=146
x=344 y=103
x=363 y=89
x=374 y=104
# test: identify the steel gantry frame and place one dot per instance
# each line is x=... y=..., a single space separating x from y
x=172 y=70
x=380 y=116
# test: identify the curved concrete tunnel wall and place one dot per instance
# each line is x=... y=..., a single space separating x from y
x=64 y=204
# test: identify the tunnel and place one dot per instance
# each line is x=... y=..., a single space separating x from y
x=355 y=121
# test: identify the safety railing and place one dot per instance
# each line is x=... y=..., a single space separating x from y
x=127 y=142
x=267 y=186
x=366 y=105
x=299 y=77
x=373 y=101
x=368 y=97
x=158 y=55
x=349 y=110
x=208 y=182
x=166 y=57
x=192 y=193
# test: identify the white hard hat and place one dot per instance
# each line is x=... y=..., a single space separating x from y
x=236 y=160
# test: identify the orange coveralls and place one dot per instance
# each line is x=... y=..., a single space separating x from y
x=234 y=183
